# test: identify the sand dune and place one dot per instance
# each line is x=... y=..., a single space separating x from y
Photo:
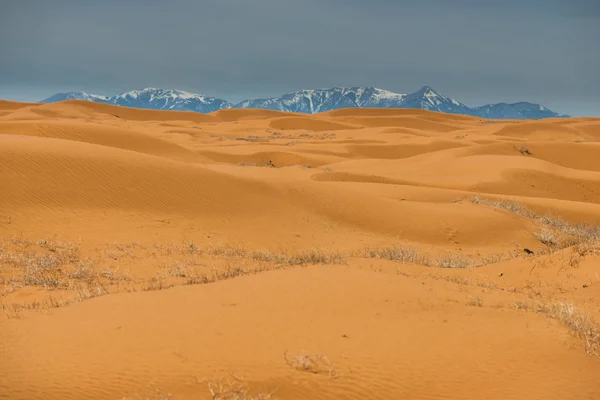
x=312 y=124
x=359 y=253
x=109 y=136
x=236 y=114
x=13 y=105
x=205 y=331
x=542 y=130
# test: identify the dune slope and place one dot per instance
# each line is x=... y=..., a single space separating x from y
x=345 y=255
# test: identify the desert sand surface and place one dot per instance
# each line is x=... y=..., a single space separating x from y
x=253 y=254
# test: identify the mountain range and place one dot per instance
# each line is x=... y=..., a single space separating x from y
x=314 y=101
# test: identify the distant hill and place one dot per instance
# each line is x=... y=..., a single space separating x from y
x=151 y=98
x=314 y=101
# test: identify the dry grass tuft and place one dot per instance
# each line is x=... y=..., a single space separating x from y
x=442 y=260
x=586 y=248
x=235 y=388
x=467 y=281
x=84 y=271
x=229 y=273
x=476 y=302
x=54 y=266
x=316 y=256
x=519 y=305
x=576 y=233
x=14 y=310
x=449 y=260
x=253 y=164
x=253 y=138
x=548 y=237
x=577 y=321
x=312 y=363
x=38 y=263
x=402 y=254
x=306 y=257
x=512 y=206
x=58 y=266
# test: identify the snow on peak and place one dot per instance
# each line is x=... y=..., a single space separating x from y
x=381 y=94
x=312 y=101
x=170 y=96
x=151 y=98
x=75 y=96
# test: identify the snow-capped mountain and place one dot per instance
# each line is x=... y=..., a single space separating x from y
x=319 y=100
x=522 y=110
x=152 y=98
x=76 y=96
x=160 y=99
x=428 y=99
x=314 y=101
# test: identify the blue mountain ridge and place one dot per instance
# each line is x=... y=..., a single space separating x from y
x=314 y=101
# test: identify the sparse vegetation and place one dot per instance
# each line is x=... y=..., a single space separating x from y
x=512 y=206
x=454 y=261
x=441 y=260
x=573 y=234
x=49 y=264
x=274 y=136
x=309 y=256
x=586 y=248
x=235 y=388
x=252 y=138
x=547 y=237
x=578 y=322
x=519 y=305
x=402 y=254
x=476 y=302
x=57 y=267
x=349 y=247
x=254 y=164
x=312 y=363
x=462 y=280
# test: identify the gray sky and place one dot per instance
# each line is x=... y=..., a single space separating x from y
x=476 y=51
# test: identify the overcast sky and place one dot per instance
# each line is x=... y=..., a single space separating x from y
x=476 y=51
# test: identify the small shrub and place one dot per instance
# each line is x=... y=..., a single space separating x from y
x=577 y=321
x=519 y=305
x=83 y=271
x=235 y=389
x=525 y=151
x=547 y=237
x=512 y=206
x=402 y=254
x=454 y=261
x=476 y=302
x=312 y=363
x=579 y=233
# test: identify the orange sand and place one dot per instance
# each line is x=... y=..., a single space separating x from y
x=340 y=181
